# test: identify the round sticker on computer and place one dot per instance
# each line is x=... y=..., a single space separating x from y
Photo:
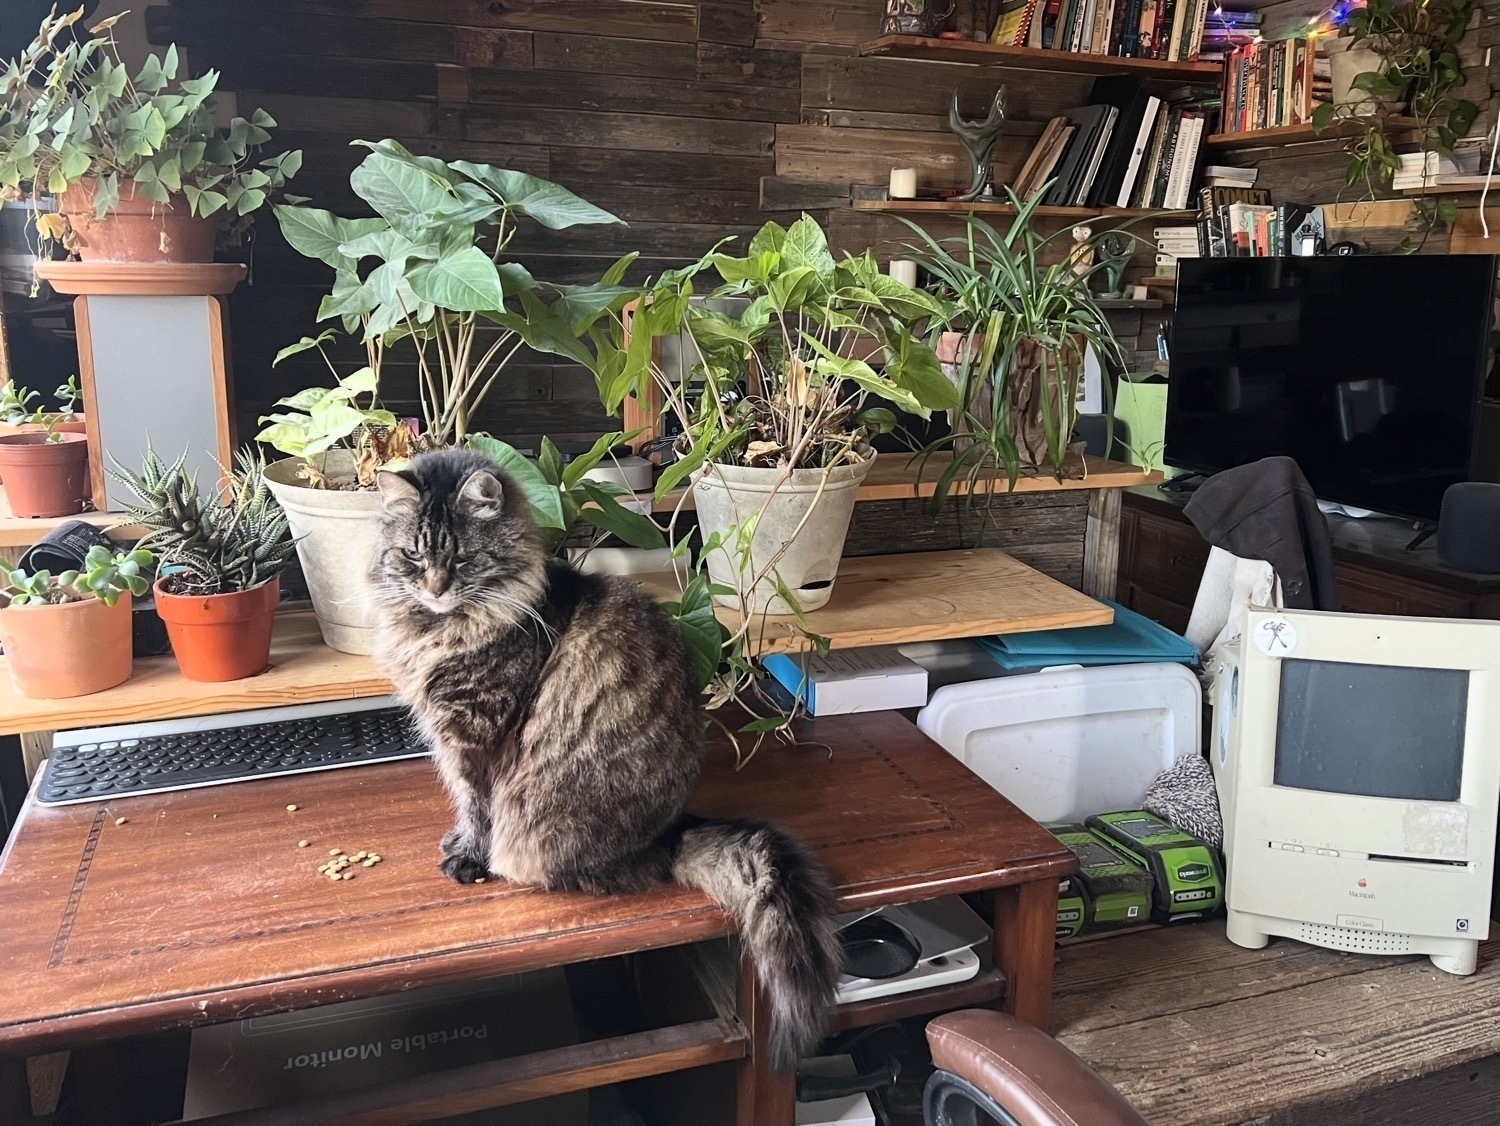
x=1275 y=637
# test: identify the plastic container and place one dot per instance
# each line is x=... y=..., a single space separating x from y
x=1068 y=743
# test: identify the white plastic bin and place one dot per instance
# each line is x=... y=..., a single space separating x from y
x=1067 y=743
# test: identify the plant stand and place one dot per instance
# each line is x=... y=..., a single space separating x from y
x=153 y=363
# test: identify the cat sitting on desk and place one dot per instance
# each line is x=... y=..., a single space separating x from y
x=564 y=721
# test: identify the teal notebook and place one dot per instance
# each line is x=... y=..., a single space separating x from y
x=1131 y=639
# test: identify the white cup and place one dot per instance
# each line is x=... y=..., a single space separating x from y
x=903 y=183
x=904 y=271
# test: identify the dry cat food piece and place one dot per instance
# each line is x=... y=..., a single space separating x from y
x=291 y=809
x=303 y=844
x=339 y=865
x=119 y=820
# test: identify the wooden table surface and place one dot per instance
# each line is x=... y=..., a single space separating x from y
x=201 y=907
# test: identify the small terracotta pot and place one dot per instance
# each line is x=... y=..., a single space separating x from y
x=137 y=229
x=220 y=636
x=79 y=425
x=72 y=649
x=45 y=478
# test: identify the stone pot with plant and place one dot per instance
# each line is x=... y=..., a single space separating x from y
x=219 y=579
x=141 y=169
x=776 y=438
x=1028 y=317
x=427 y=278
x=69 y=634
x=44 y=455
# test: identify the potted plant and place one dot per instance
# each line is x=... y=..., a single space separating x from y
x=1028 y=317
x=221 y=562
x=776 y=436
x=44 y=458
x=141 y=170
x=69 y=634
x=1399 y=57
x=427 y=277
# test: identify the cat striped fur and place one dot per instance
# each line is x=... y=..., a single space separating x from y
x=566 y=727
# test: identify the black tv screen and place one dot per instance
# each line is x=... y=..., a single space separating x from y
x=1365 y=369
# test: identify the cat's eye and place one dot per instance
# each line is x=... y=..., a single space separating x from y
x=412 y=556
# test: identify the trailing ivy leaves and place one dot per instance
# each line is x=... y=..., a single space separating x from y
x=695 y=619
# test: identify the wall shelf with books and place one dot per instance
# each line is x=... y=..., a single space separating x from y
x=991 y=207
x=1289 y=135
x=1037 y=58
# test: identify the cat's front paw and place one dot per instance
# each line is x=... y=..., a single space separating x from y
x=464 y=869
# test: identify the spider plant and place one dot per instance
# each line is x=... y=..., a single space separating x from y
x=1022 y=303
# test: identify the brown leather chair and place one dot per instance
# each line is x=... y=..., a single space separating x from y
x=1018 y=1075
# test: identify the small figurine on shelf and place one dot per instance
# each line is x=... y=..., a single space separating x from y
x=978 y=138
x=1115 y=251
x=1081 y=257
x=914 y=17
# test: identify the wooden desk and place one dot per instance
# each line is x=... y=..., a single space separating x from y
x=201 y=908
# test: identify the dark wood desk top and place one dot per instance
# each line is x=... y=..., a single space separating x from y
x=202 y=908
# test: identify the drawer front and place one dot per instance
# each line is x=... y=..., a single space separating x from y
x=1173 y=615
x=1363 y=590
x=1165 y=556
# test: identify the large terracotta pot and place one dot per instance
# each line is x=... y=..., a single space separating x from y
x=137 y=229
x=45 y=478
x=806 y=520
x=72 y=649
x=220 y=636
x=336 y=532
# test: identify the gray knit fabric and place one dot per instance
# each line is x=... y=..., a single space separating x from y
x=1184 y=795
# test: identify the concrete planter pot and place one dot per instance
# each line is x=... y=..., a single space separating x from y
x=1345 y=62
x=729 y=495
x=336 y=532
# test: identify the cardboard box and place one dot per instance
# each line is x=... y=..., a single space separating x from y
x=875 y=678
x=851 y=1110
x=312 y=1053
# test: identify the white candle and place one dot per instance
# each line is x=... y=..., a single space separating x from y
x=903 y=183
x=904 y=271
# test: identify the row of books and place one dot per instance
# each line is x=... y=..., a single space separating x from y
x=1223 y=30
x=1173 y=243
x=1274 y=83
x=1244 y=223
x=1126 y=148
x=1147 y=29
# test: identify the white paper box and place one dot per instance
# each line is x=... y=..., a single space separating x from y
x=875 y=678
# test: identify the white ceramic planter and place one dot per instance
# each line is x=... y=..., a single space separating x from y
x=1345 y=62
x=336 y=532
x=729 y=495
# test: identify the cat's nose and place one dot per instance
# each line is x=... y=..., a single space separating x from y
x=436 y=580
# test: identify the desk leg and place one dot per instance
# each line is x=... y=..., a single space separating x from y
x=762 y=1097
x=35 y=746
x=1025 y=930
x=15 y=1109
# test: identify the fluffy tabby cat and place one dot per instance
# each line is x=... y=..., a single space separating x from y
x=564 y=722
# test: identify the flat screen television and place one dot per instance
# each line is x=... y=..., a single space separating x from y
x=1365 y=369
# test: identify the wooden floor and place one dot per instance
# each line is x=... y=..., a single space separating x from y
x=1196 y=1031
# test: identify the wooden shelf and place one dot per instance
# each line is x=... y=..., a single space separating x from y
x=169 y=279
x=920 y=596
x=990 y=207
x=1290 y=135
x=895 y=477
x=981 y=990
x=1035 y=58
x=1451 y=189
x=19 y=532
x=878 y=600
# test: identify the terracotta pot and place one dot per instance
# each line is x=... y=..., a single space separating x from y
x=138 y=229
x=45 y=478
x=79 y=425
x=69 y=650
x=220 y=636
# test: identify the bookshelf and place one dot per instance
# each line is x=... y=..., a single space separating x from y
x=1291 y=135
x=987 y=207
x=1036 y=58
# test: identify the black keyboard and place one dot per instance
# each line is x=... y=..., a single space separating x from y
x=118 y=762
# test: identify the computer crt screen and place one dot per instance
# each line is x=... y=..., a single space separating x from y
x=1376 y=730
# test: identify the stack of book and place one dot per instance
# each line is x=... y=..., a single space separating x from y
x=1173 y=243
x=1226 y=176
x=1223 y=31
x=1171 y=30
x=1126 y=148
x=1270 y=84
x=1243 y=223
x=1433 y=170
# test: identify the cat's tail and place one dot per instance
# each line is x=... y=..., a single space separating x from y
x=781 y=899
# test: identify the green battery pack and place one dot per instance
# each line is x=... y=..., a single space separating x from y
x=1110 y=890
x=1186 y=872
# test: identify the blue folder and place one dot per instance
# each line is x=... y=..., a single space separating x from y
x=1131 y=639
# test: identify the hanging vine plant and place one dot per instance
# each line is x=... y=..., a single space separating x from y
x=1413 y=90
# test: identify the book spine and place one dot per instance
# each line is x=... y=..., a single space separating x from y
x=1169 y=154
x=1130 y=34
x=1145 y=28
x=1195 y=44
x=1165 y=10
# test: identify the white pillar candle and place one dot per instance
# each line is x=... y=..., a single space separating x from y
x=903 y=183
x=904 y=271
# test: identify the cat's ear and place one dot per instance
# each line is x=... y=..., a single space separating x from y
x=482 y=495
x=397 y=493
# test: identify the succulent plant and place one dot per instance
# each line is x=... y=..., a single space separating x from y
x=208 y=547
x=105 y=575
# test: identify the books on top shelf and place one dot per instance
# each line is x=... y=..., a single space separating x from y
x=1125 y=148
x=1244 y=223
x=1268 y=84
x=1170 y=30
x=1225 y=30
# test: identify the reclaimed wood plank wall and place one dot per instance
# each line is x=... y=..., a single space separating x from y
x=693 y=121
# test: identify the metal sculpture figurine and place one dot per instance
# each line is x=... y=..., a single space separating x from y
x=1115 y=251
x=978 y=138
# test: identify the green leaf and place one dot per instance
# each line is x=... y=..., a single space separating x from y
x=807 y=245
x=1373 y=82
x=550 y=462
x=303 y=345
x=551 y=205
x=695 y=620
x=542 y=497
x=635 y=528
x=574 y=471
x=916 y=368
x=319 y=234
x=411 y=199
x=793 y=288
x=465 y=281
x=1322 y=116
x=756 y=268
